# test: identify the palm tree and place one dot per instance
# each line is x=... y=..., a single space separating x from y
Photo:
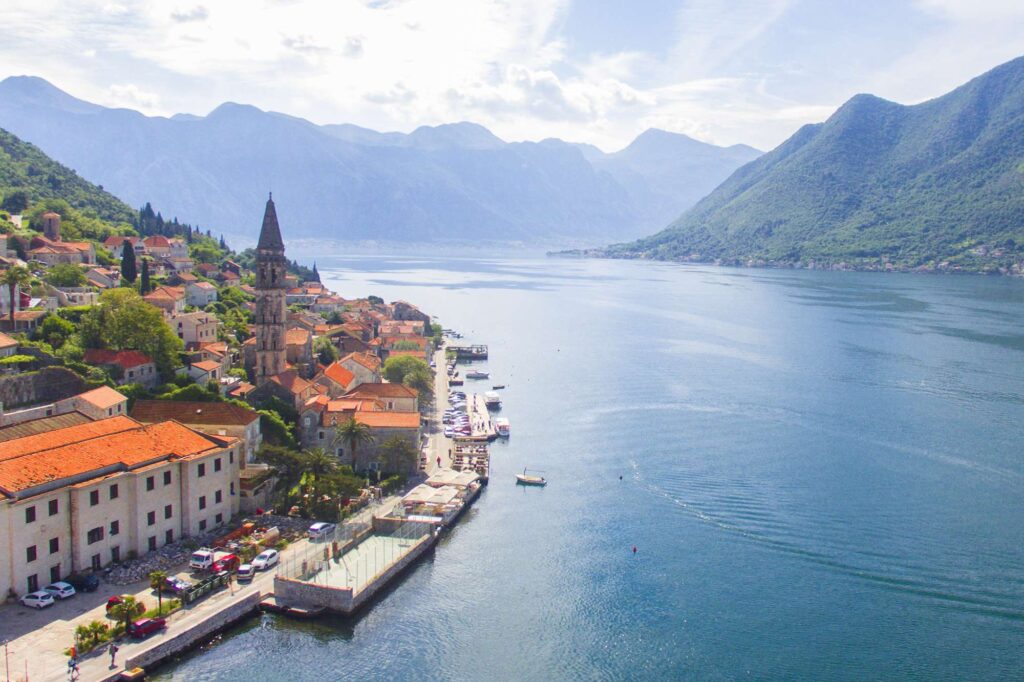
x=15 y=277
x=354 y=434
x=82 y=635
x=96 y=631
x=128 y=608
x=156 y=581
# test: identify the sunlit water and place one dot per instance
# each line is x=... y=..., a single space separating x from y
x=822 y=474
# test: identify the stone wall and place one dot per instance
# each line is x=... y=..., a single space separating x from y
x=186 y=639
x=48 y=385
x=296 y=593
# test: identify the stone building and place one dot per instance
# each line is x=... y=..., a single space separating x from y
x=271 y=288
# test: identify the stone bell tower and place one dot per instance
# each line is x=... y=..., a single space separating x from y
x=271 y=267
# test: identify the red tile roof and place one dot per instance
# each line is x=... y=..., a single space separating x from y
x=370 y=362
x=186 y=412
x=338 y=374
x=72 y=434
x=297 y=337
x=124 y=358
x=102 y=397
x=389 y=420
x=381 y=391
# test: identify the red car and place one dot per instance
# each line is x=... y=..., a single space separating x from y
x=146 y=626
x=228 y=562
x=114 y=601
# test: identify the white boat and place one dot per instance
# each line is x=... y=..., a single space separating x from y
x=477 y=374
x=492 y=399
x=529 y=479
x=502 y=426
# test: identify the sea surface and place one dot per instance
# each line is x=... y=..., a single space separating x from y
x=822 y=473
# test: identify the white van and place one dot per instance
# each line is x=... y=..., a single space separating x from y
x=202 y=560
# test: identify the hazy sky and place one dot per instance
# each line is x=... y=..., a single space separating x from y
x=598 y=71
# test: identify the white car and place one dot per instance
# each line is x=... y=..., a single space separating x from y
x=38 y=600
x=245 y=573
x=320 y=530
x=60 y=590
x=265 y=559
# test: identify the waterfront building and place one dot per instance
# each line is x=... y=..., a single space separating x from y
x=88 y=495
x=215 y=419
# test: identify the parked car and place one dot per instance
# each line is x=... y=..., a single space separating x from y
x=228 y=562
x=144 y=627
x=265 y=559
x=201 y=560
x=114 y=601
x=174 y=584
x=38 y=600
x=320 y=530
x=60 y=590
x=246 y=572
x=449 y=433
x=86 y=582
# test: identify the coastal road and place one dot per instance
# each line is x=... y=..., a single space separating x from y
x=439 y=445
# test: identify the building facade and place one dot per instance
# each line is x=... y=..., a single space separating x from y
x=271 y=289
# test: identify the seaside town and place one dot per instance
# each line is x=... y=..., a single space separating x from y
x=189 y=435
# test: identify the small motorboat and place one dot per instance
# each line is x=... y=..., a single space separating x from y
x=498 y=387
x=477 y=374
x=529 y=479
x=492 y=400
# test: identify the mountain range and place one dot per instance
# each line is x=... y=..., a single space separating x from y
x=879 y=185
x=455 y=182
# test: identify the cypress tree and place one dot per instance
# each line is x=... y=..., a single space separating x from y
x=128 y=270
x=144 y=285
x=316 y=275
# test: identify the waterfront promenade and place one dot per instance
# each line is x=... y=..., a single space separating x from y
x=37 y=639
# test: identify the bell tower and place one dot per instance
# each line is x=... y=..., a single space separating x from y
x=271 y=267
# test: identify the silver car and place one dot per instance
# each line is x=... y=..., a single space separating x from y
x=38 y=600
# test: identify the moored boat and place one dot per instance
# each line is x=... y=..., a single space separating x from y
x=502 y=426
x=529 y=479
x=492 y=399
x=477 y=374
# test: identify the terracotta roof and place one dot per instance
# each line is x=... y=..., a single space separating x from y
x=28 y=315
x=157 y=240
x=382 y=391
x=42 y=425
x=291 y=381
x=218 y=414
x=407 y=353
x=206 y=365
x=102 y=397
x=389 y=420
x=370 y=362
x=355 y=405
x=124 y=358
x=72 y=434
x=204 y=285
x=338 y=374
x=297 y=337
x=136 y=446
x=6 y=341
x=243 y=389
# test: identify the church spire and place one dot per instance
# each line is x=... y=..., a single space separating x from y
x=270 y=234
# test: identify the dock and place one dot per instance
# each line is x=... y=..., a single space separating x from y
x=475 y=352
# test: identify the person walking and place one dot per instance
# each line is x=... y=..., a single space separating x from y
x=113 y=655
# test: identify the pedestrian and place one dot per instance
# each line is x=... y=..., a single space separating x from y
x=113 y=655
x=439 y=460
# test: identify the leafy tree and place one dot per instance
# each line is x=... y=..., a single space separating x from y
x=275 y=430
x=121 y=320
x=353 y=434
x=325 y=351
x=14 y=278
x=376 y=300
x=128 y=609
x=54 y=330
x=405 y=344
x=128 y=270
x=15 y=201
x=397 y=454
x=411 y=371
x=334 y=317
x=66 y=275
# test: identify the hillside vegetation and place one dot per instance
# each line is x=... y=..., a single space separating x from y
x=879 y=185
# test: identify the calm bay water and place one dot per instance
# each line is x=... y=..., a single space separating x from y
x=823 y=474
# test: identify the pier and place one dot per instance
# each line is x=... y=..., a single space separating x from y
x=474 y=352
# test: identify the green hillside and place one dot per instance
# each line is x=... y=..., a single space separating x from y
x=938 y=185
x=31 y=182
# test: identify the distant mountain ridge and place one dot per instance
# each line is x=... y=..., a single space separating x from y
x=879 y=185
x=454 y=182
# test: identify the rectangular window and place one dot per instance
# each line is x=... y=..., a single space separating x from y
x=168 y=511
x=54 y=506
x=97 y=563
x=54 y=573
x=30 y=514
x=152 y=543
x=54 y=545
x=169 y=537
x=167 y=478
x=220 y=519
x=115 y=554
x=231 y=457
x=150 y=482
x=114 y=492
x=232 y=487
x=115 y=528
x=151 y=518
x=94 y=498
x=30 y=554
x=202 y=502
x=216 y=464
x=33 y=583
x=202 y=525
x=218 y=497
x=94 y=535
x=202 y=470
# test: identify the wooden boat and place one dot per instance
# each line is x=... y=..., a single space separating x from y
x=529 y=479
x=477 y=374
